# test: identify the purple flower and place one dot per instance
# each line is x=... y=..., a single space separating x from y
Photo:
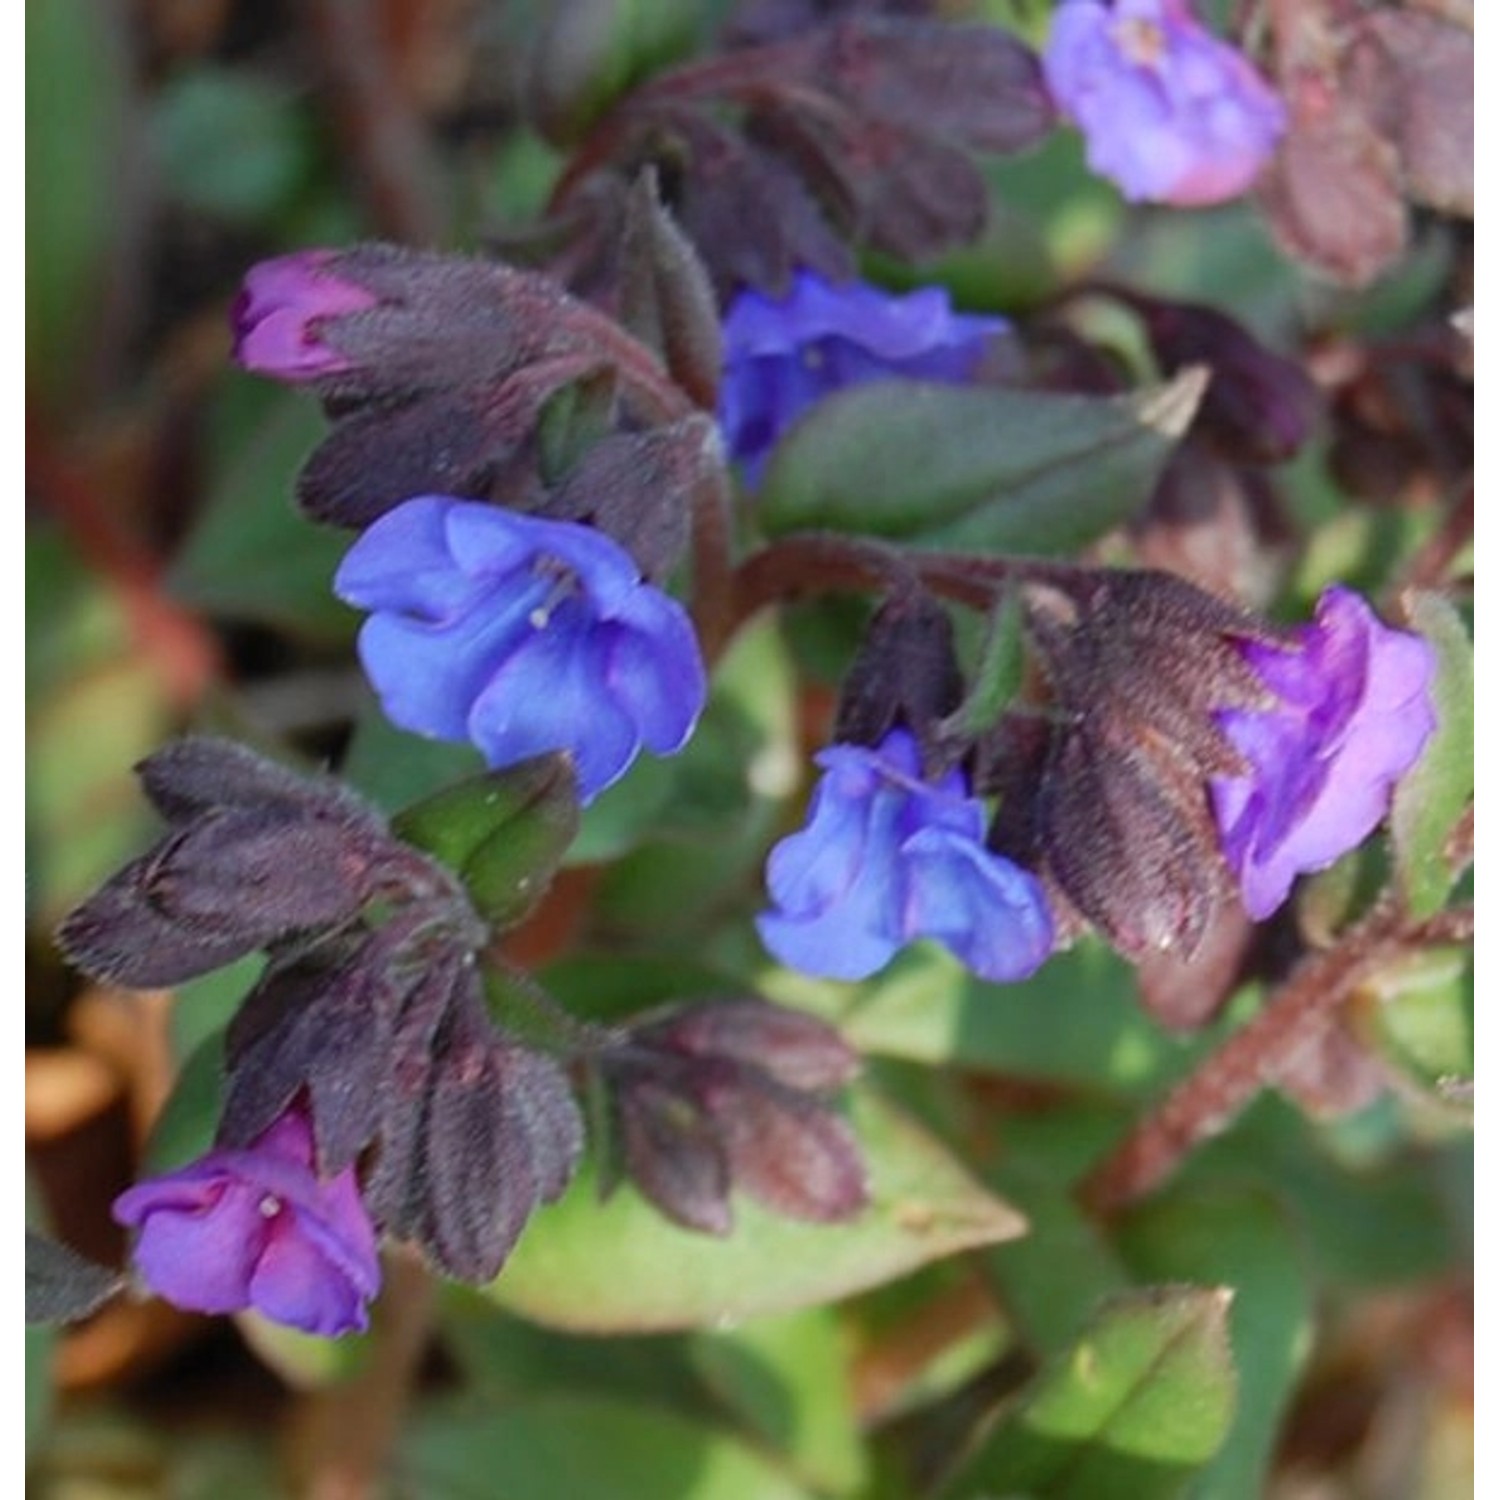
x=523 y=635
x=258 y=1228
x=887 y=858
x=279 y=310
x=1353 y=718
x=780 y=357
x=1170 y=113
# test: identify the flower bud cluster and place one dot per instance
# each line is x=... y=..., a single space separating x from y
x=367 y=1090
x=734 y=1093
x=522 y=633
x=1192 y=754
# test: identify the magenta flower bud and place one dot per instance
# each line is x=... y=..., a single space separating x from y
x=1352 y=717
x=1170 y=113
x=258 y=1228
x=279 y=314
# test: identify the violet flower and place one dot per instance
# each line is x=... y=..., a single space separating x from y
x=781 y=355
x=1353 y=716
x=888 y=857
x=1170 y=113
x=279 y=310
x=523 y=635
x=258 y=1228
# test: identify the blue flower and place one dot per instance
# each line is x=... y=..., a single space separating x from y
x=782 y=356
x=1169 y=112
x=1353 y=715
x=887 y=858
x=523 y=635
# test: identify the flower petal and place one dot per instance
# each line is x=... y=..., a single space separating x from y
x=295 y=1283
x=550 y=693
x=203 y=1258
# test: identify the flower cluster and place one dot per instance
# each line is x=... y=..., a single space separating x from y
x=366 y=1088
x=784 y=354
x=734 y=1093
x=1170 y=113
x=1198 y=751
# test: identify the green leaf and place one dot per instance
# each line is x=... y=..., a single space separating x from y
x=201 y=1007
x=1141 y=1401
x=40 y=1346
x=395 y=769
x=251 y=556
x=994 y=469
x=83 y=192
x=567 y=1448
x=1422 y=1017
x=303 y=1361
x=185 y=1128
x=95 y=707
x=231 y=145
x=998 y=675
x=787 y=1379
x=503 y=833
x=1076 y=1020
x=506 y=1358
x=1431 y=799
x=1051 y=1278
x=1364 y=1223
x=620 y=1266
x=1240 y=1238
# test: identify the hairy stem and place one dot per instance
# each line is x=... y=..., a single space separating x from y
x=1208 y=1102
x=817 y=562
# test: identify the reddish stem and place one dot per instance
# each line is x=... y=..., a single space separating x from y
x=1208 y=1101
x=185 y=653
x=384 y=133
x=817 y=562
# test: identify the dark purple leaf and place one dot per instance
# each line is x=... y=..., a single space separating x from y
x=666 y=299
x=638 y=487
x=322 y=1023
x=1184 y=994
x=1429 y=96
x=1130 y=840
x=1259 y=407
x=885 y=185
x=788 y=1152
x=797 y=1050
x=673 y=1153
x=1332 y=193
x=906 y=672
x=974 y=84
x=61 y=1286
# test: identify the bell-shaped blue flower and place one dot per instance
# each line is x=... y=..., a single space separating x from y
x=888 y=857
x=782 y=355
x=523 y=635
